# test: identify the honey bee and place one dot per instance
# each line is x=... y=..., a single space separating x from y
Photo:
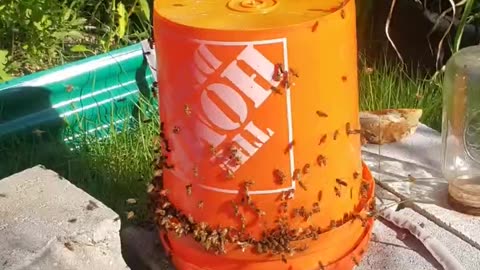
x=296 y=212
x=355 y=260
x=322 y=114
x=249 y=183
x=91 y=205
x=289 y=147
x=355 y=131
x=283 y=207
x=335 y=134
x=130 y=215
x=302 y=185
x=158 y=173
x=187 y=109
x=347 y=128
x=337 y=192
x=277 y=75
x=351 y=193
x=280 y=69
x=306 y=168
x=190 y=219
x=341 y=182
x=344 y=78
x=200 y=204
x=195 y=171
x=293 y=72
x=364 y=187
x=243 y=222
x=69 y=88
x=230 y=174
x=69 y=246
x=284 y=258
x=320 y=264
x=189 y=189
x=321 y=160
x=319 y=196
x=290 y=195
x=212 y=149
x=297 y=175
x=276 y=90
x=333 y=224
x=72 y=220
x=281 y=177
x=316 y=207
x=131 y=201
x=38 y=132
x=259 y=248
x=356 y=175
x=286 y=82
x=165 y=205
x=323 y=139
x=176 y=129
x=260 y=213
x=237 y=160
x=342 y=14
x=307 y=216
x=236 y=209
x=315 y=26
x=346 y=216
x=233 y=150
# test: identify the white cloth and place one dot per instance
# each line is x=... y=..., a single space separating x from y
x=420 y=156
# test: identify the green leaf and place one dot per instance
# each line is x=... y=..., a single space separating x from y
x=38 y=25
x=79 y=21
x=122 y=20
x=3 y=61
x=59 y=35
x=75 y=34
x=67 y=14
x=145 y=8
x=79 y=48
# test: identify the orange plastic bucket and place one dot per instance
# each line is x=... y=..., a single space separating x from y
x=259 y=102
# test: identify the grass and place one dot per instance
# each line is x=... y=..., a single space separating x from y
x=111 y=170
x=384 y=85
x=117 y=168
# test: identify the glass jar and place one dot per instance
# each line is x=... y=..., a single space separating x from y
x=461 y=130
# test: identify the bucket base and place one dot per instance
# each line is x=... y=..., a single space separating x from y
x=307 y=262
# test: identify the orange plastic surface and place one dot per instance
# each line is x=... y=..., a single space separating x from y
x=244 y=15
x=230 y=118
x=189 y=257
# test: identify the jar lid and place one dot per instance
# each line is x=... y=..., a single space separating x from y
x=245 y=14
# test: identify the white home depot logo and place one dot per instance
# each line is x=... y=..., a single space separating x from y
x=231 y=87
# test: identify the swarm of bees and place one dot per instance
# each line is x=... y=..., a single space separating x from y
x=281 y=239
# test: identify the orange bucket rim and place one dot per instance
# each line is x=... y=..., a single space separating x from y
x=353 y=257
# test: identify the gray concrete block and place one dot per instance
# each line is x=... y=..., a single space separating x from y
x=48 y=223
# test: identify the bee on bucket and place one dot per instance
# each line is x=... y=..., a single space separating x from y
x=187 y=109
x=189 y=189
x=321 y=114
x=323 y=139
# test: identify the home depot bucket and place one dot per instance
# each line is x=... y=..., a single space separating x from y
x=259 y=104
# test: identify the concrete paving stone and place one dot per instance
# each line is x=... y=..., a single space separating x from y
x=48 y=223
